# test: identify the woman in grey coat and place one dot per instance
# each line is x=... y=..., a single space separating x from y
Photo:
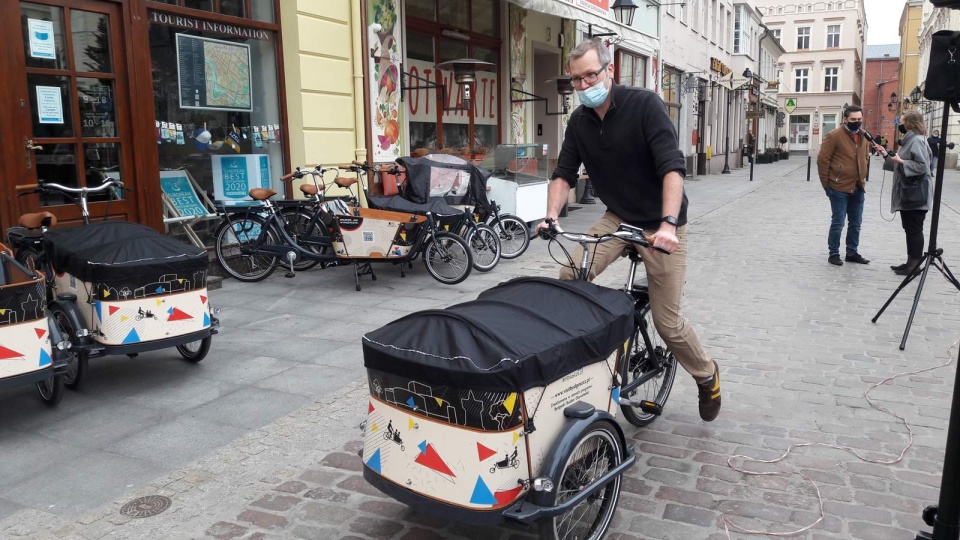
x=913 y=159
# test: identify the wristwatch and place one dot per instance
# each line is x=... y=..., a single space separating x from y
x=671 y=220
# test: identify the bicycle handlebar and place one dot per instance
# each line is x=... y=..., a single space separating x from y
x=108 y=183
x=300 y=173
x=631 y=234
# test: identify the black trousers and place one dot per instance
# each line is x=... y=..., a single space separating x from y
x=912 y=221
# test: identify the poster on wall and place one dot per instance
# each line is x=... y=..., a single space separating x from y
x=213 y=74
x=384 y=39
x=234 y=177
x=49 y=105
x=42 y=44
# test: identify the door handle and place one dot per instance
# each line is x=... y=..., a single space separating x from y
x=28 y=152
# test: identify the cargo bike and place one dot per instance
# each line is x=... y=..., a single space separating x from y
x=116 y=287
x=32 y=349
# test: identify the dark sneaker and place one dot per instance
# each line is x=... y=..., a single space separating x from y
x=857 y=258
x=898 y=266
x=835 y=259
x=709 y=393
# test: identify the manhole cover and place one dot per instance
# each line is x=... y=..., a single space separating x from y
x=144 y=507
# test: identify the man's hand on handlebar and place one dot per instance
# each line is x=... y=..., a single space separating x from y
x=665 y=239
x=548 y=228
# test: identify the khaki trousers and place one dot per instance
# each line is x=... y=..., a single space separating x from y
x=665 y=277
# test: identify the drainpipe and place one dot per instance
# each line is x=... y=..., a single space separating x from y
x=756 y=128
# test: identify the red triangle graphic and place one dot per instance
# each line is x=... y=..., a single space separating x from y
x=40 y=332
x=370 y=410
x=178 y=315
x=113 y=309
x=431 y=459
x=484 y=452
x=7 y=354
x=203 y=299
x=507 y=496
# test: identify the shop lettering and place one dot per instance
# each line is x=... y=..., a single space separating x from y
x=191 y=23
x=484 y=103
x=718 y=66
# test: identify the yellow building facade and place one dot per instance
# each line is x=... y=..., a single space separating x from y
x=910 y=21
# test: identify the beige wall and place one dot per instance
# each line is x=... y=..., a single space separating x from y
x=324 y=80
x=910 y=47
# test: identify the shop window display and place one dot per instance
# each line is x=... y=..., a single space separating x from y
x=217 y=107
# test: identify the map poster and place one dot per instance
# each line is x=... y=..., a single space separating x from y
x=213 y=74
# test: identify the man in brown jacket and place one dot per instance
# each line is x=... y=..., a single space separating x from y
x=842 y=165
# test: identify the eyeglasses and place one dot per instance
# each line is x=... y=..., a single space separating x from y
x=589 y=78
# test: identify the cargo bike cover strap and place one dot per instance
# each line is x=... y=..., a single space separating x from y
x=119 y=250
x=521 y=334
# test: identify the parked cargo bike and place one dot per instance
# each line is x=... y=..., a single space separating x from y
x=32 y=349
x=118 y=287
x=503 y=408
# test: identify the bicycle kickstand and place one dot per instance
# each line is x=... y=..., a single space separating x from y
x=291 y=256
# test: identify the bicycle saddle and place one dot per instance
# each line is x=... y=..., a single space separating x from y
x=37 y=220
x=310 y=189
x=346 y=182
x=261 y=194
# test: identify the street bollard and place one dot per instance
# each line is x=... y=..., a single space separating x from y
x=752 y=160
x=808 y=168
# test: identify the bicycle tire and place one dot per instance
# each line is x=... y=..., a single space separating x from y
x=447 y=258
x=598 y=451
x=51 y=389
x=484 y=247
x=300 y=224
x=638 y=363
x=195 y=351
x=232 y=236
x=77 y=365
x=514 y=235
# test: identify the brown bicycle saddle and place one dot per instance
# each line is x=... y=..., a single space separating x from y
x=346 y=182
x=261 y=194
x=38 y=219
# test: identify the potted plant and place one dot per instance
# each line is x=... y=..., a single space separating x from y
x=774 y=154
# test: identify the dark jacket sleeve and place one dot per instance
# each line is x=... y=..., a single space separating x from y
x=661 y=137
x=569 y=161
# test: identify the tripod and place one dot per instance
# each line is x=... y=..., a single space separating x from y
x=933 y=256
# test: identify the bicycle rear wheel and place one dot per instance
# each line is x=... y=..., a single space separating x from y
x=300 y=225
x=640 y=362
x=236 y=244
x=447 y=258
x=30 y=257
x=484 y=247
x=514 y=235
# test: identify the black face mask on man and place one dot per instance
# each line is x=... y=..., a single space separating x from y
x=902 y=129
x=854 y=126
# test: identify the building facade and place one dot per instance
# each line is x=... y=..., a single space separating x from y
x=932 y=20
x=822 y=67
x=880 y=98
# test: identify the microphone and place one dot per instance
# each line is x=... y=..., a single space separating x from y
x=866 y=135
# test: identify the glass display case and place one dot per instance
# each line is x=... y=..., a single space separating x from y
x=519 y=180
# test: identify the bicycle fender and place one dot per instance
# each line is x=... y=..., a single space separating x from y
x=60 y=358
x=552 y=466
x=72 y=312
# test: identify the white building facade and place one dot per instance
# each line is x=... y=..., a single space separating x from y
x=934 y=20
x=822 y=68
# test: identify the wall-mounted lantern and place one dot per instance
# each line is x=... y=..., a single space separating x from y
x=564 y=89
x=464 y=73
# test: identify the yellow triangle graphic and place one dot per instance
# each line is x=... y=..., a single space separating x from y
x=106 y=294
x=446 y=227
x=179 y=281
x=159 y=302
x=123 y=318
x=374 y=427
x=439 y=400
x=516 y=437
x=510 y=402
x=3 y=312
x=411 y=423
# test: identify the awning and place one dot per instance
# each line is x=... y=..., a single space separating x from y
x=568 y=9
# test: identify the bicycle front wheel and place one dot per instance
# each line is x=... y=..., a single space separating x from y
x=236 y=246
x=598 y=452
x=484 y=247
x=654 y=361
x=447 y=258
x=514 y=236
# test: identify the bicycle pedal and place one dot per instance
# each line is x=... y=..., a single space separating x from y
x=650 y=407
x=289 y=275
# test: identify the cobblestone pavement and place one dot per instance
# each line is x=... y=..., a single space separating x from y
x=795 y=344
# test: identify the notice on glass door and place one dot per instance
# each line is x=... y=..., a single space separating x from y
x=49 y=105
x=42 y=44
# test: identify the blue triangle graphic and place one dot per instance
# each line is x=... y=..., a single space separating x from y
x=374 y=461
x=170 y=311
x=160 y=289
x=482 y=494
x=132 y=337
x=411 y=402
x=206 y=320
x=616 y=394
x=45 y=357
x=423 y=447
x=97 y=305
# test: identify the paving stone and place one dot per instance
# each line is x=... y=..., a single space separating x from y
x=690 y=514
x=224 y=530
x=263 y=520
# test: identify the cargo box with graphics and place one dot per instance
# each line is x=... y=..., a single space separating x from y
x=455 y=393
x=132 y=284
x=24 y=334
x=369 y=233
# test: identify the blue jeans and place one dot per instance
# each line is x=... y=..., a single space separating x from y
x=847 y=206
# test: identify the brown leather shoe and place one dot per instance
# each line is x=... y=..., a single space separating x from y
x=709 y=394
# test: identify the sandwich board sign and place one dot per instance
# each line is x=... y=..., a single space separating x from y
x=791 y=105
